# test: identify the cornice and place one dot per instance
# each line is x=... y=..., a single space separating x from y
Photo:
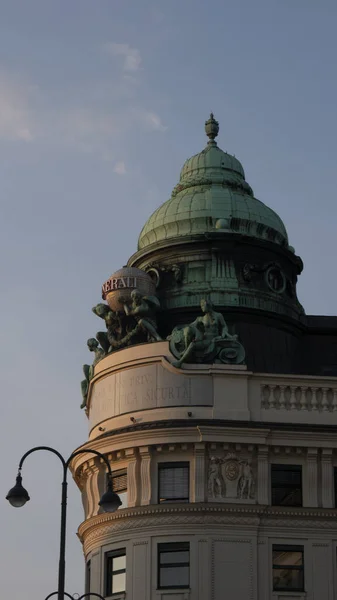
x=207 y=240
x=212 y=521
x=201 y=513
x=188 y=424
x=207 y=430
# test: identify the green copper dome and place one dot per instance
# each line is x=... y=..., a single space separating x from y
x=212 y=196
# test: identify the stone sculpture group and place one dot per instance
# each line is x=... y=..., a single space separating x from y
x=206 y=339
x=136 y=324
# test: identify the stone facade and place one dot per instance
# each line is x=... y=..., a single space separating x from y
x=229 y=425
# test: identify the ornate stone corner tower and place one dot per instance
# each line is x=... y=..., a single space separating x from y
x=214 y=398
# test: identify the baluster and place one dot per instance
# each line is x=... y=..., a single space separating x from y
x=282 y=397
x=292 y=397
x=325 y=405
x=314 y=402
x=303 y=398
x=265 y=395
x=334 y=399
x=272 y=396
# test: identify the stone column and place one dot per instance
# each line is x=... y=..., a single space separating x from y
x=130 y=455
x=327 y=479
x=310 y=479
x=199 y=472
x=145 y=475
x=262 y=475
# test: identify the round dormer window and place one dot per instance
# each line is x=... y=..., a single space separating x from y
x=275 y=279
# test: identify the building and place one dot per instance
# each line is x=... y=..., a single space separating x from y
x=218 y=412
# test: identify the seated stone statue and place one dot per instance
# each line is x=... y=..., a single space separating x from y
x=88 y=370
x=205 y=340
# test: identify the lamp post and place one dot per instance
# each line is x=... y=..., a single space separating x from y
x=18 y=497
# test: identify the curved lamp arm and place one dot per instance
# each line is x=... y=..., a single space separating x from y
x=79 y=598
x=65 y=463
x=41 y=448
x=55 y=594
x=85 y=451
x=91 y=594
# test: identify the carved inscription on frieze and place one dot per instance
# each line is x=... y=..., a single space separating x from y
x=143 y=391
x=143 y=388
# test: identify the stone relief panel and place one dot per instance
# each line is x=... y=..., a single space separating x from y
x=231 y=478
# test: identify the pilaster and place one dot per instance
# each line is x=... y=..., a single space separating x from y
x=92 y=488
x=327 y=478
x=310 y=480
x=145 y=475
x=131 y=456
x=199 y=472
x=262 y=475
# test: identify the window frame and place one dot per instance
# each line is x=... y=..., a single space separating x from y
x=335 y=485
x=288 y=548
x=120 y=473
x=162 y=466
x=109 y=573
x=173 y=547
x=115 y=475
x=286 y=467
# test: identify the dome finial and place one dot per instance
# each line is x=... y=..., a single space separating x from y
x=212 y=129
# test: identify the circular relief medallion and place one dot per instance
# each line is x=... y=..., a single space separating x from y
x=275 y=279
x=231 y=470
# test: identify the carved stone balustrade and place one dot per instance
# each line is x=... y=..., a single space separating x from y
x=298 y=397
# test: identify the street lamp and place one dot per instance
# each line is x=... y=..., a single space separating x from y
x=18 y=496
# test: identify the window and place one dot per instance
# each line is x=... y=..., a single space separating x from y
x=87 y=577
x=173 y=482
x=288 y=569
x=120 y=486
x=174 y=565
x=115 y=568
x=286 y=485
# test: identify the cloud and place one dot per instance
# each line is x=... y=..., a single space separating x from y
x=120 y=168
x=102 y=131
x=94 y=119
x=131 y=56
x=16 y=122
x=154 y=121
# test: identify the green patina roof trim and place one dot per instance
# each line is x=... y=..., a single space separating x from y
x=212 y=195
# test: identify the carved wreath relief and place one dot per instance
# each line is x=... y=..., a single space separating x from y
x=230 y=478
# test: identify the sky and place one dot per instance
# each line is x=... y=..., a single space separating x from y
x=101 y=102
